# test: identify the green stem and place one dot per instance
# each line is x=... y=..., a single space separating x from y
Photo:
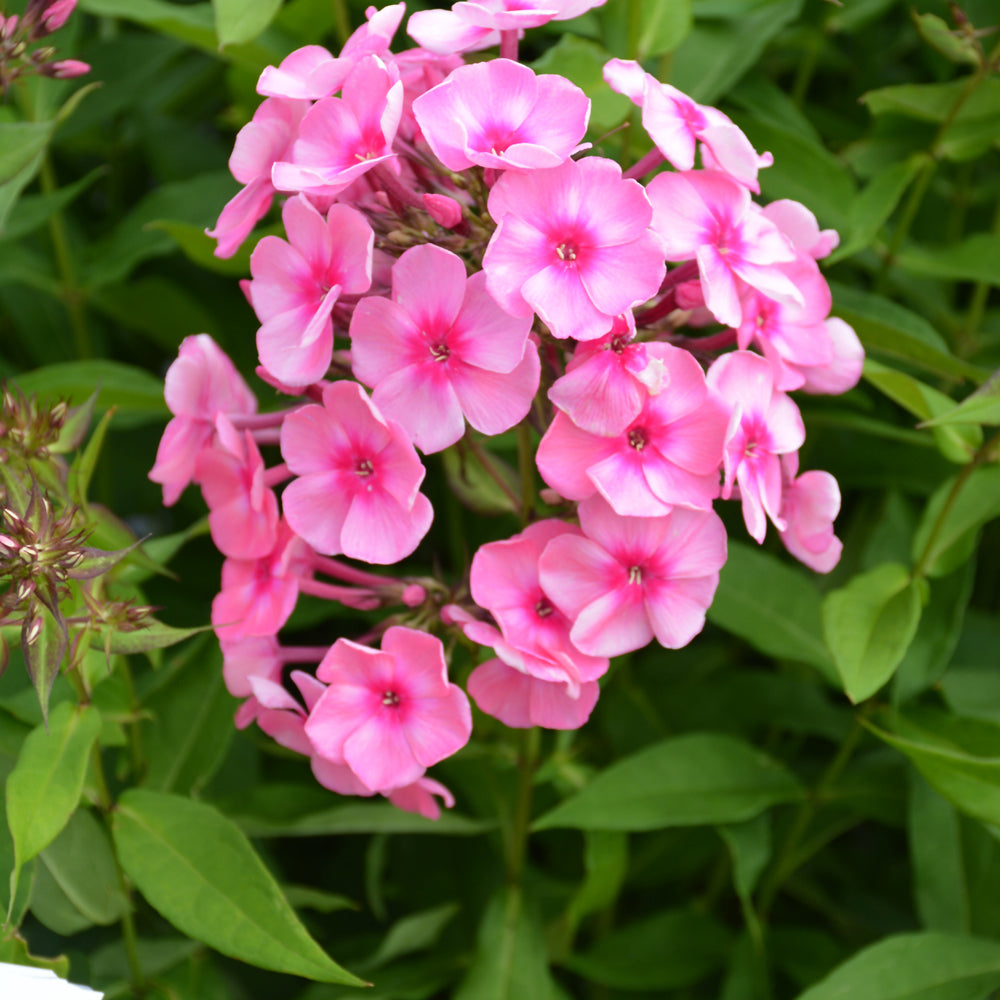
x=788 y=861
x=517 y=843
x=985 y=453
x=967 y=339
x=807 y=68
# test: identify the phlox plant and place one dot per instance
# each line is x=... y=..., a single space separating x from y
x=487 y=271
x=572 y=450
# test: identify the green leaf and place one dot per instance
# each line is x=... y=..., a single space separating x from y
x=674 y=949
x=191 y=23
x=957 y=443
x=375 y=817
x=238 y=21
x=772 y=605
x=947 y=531
x=44 y=788
x=43 y=642
x=927 y=966
x=689 y=780
x=474 y=487
x=200 y=872
x=582 y=62
x=719 y=50
x=20 y=143
x=869 y=625
x=200 y=249
x=417 y=932
x=154 y=635
x=933 y=102
x=960 y=757
x=976 y=258
x=872 y=207
x=14 y=951
x=35 y=210
x=510 y=961
x=605 y=862
x=939 y=887
x=955 y=45
x=895 y=332
x=749 y=846
x=136 y=394
x=803 y=170
x=82 y=864
x=191 y=724
x=665 y=24
x=981 y=407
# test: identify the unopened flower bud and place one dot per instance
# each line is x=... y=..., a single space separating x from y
x=25 y=589
x=65 y=69
x=8 y=27
x=443 y=210
x=57 y=15
x=58 y=412
x=8 y=546
x=33 y=631
x=414 y=595
x=28 y=553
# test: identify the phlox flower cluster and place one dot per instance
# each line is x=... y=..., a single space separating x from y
x=458 y=262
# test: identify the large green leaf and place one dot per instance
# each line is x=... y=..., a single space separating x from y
x=915 y=967
x=674 y=949
x=773 y=605
x=44 y=788
x=510 y=961
x=136 y=394
x=947 y=531
x=238 y=21
x=688 y=780
x=959 y=757
x=200 y=872
x=895 y=332
x=20 y=143
x=957 y=443
x=939 y=888
x=721 y=48
x=976 y=258
x=664 y=25
x=869 y=625
x=981 y=407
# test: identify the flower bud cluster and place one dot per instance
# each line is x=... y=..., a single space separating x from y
x=51 y=578
x=458 y=262
x=18 y=34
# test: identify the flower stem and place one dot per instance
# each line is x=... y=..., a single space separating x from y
x=529 y=744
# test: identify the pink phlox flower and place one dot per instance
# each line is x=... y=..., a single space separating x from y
x=801 y=227
x=421 y=798
x=669 y=455
x=297 y=283
x=342 y=138
x=358 y=479
x=809 y=505
x=533 y=635
x=676 y=124
x=500 y=114
x=247 y=657
x=477 y=24
x=258 y=595
x=520 y=700
x=628 y=579
x=267 y=138
x=199 y=385
x=312 y=73
x=706 y=216
x=793 y=337
x=574 y=245
x=607 y=381
x=420 y=71
x=764 y=424
x=441 y=351
x=389 y=714
x=843 y=371
x=243 y=510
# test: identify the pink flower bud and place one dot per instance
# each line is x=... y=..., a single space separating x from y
x=443 y=210
x=65 y=69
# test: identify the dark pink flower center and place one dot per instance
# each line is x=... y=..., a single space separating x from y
x=440 y=352
x=635 y=574
x=390 y=699
x=637 y=438
x=567 y=251
x=543 y=608
x=364 y=468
